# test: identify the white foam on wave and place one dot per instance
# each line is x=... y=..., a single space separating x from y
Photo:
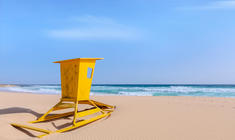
x=219 y=91
x=33 y=89
x=169 y=90
x=184 y=89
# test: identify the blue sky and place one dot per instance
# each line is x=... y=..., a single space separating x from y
x=142 y=41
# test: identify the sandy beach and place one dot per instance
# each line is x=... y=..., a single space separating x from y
x=136 y=117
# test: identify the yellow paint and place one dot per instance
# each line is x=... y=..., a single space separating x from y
x=75 y=85
x=74 y=82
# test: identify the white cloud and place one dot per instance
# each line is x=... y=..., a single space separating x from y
x=213 y=6
x=93 y=20
x=93 y=33
x=90 y=27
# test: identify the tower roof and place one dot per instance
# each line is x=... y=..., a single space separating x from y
x=77 y=59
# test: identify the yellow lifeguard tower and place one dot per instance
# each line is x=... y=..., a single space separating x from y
x=76 y=79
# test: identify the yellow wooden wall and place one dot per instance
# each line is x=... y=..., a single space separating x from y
x=74 y=81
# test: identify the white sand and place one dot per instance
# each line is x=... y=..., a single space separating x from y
x=135 y=118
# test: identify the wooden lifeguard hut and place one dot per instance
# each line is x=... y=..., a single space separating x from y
x=76 y=80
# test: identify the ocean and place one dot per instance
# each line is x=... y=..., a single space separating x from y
x=135 y=90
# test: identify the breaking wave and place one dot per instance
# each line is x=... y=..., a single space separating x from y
x=137 y=90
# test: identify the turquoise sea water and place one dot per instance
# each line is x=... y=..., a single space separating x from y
x=137 y=90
